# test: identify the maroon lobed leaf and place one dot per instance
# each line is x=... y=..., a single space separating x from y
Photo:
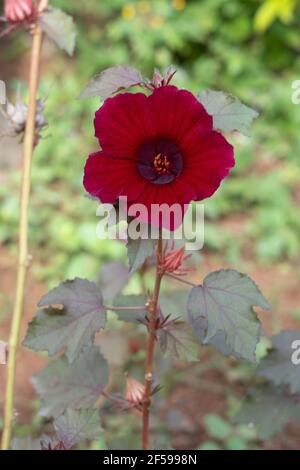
x=282 y=363
x=177 y=341
x=60 y=27
x=112 y=80
x=78 y=385
x=269 y=409
x=72 y=327
x=224 y=303
x=75 y=426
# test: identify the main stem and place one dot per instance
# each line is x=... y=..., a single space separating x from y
x=23 y=259
x=152 y=309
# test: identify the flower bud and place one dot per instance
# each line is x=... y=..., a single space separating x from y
x=173 y=259
x=17 y=11
x=135 y=391
x=17 y=115
x=157 y=79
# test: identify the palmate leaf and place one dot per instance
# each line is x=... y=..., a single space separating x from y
x=62 y=385
x=277 y=365
x=218 y=341
x=112 y=80
x=176 y=340
x=228 y=113
x=138 y=251
x=72 y=327
x=61 y=28
x=269 y=409
x=75 y=426
x=224 y=304
x=131 y=316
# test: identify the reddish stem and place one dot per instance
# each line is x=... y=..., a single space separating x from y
x=152 y=309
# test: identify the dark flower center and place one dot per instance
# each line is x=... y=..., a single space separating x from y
x=160 y=161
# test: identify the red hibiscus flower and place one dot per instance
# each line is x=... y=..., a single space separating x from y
x=157 y=149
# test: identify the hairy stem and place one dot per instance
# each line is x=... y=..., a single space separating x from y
x=23 y=258
x=152 y=309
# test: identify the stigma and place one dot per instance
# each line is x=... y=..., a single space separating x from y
x=162 y=164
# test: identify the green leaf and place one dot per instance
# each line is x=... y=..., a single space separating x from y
x=74 y=326
x=61 y=28
x=217 y=427
x=224 y=302
x=78 y=385
x=130 y=301
x=235 y=443
x=278 y=366
x=272 y=9
x=112 y=80
x=75 y=426
x=228 y=113
x=269 y=409
x=209 y=445
x=138 y=251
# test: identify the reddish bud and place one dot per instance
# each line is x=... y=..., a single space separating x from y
x=17 y=11
x=159 y=80
x=172 y=260
x=135 y=391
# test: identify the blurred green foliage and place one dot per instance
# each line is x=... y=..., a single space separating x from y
x=224 y=435
x=213 y=43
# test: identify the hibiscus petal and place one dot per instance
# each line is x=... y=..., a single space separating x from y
x=208 y=164
x=176 y=112
x=107 y=178
x=177 y=193
x=122 y=124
